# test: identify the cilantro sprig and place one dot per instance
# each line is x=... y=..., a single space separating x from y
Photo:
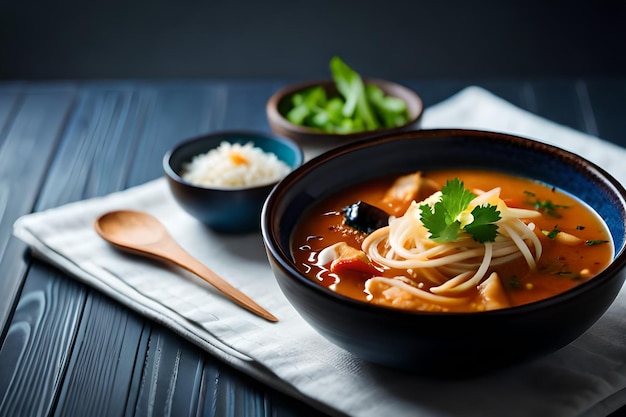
x=547 y=206
x=442 y=220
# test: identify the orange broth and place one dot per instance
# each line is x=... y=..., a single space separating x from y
x=559 y=268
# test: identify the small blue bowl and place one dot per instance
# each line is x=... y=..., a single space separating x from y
x=225 y=209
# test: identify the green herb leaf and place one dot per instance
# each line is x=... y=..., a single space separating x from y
x=551 y=234
x=514 y=282
x=483 y=228
x=547 y=206
x=595 y=242
x=441 y=220
x=455 y=198
x=391 y=111
x=351 y=86
x=435 y=221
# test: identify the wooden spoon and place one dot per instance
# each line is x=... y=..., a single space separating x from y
x=143 y=234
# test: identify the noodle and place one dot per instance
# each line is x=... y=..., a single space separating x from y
x=455 y=267
x=424 y=295
x=458 y=284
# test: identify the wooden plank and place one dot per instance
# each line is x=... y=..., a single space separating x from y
x=94 y=131
x=95 y=149
x=9 y=105
x=434 y=92
x=31 y=122
x=246 y=105
x=103 y=362
x=178 y=111
x=170 y=382
x=34 y=356
x=98 y=145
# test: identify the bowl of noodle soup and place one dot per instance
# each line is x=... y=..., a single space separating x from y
x=448 y=252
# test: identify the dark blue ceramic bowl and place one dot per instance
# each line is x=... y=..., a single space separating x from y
x=231 y=209
x=445 y=344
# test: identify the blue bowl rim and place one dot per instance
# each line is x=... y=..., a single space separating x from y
x=284 y=261
x=225 y=135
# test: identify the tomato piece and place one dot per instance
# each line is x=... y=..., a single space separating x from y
x=349 y=258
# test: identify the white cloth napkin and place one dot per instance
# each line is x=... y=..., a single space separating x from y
x=586 y=378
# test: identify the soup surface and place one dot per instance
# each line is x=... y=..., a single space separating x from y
x=524 y=243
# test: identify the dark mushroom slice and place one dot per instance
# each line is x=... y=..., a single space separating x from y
x=365 y=217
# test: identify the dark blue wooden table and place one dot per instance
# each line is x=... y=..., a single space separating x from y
x=67 y=350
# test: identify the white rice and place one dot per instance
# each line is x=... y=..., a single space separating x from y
x=235 y=165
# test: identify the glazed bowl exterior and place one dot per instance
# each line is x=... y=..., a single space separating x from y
x=445 y=344
x=225 y=209
x=279 y=104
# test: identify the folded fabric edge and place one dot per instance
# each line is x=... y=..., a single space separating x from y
x=154 y=311
x=607 y=406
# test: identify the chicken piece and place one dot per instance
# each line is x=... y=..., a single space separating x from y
x=568 y=239
x=402 y=292
x=400 y=195
x=492 y=295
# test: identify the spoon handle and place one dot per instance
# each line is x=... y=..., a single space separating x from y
x=179 y=256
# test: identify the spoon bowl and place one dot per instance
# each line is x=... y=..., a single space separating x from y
x=130 y=229
x=141 y=233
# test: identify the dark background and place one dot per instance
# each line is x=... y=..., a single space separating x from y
x=68 y=39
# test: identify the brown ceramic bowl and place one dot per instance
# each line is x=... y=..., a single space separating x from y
x=279 y=104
